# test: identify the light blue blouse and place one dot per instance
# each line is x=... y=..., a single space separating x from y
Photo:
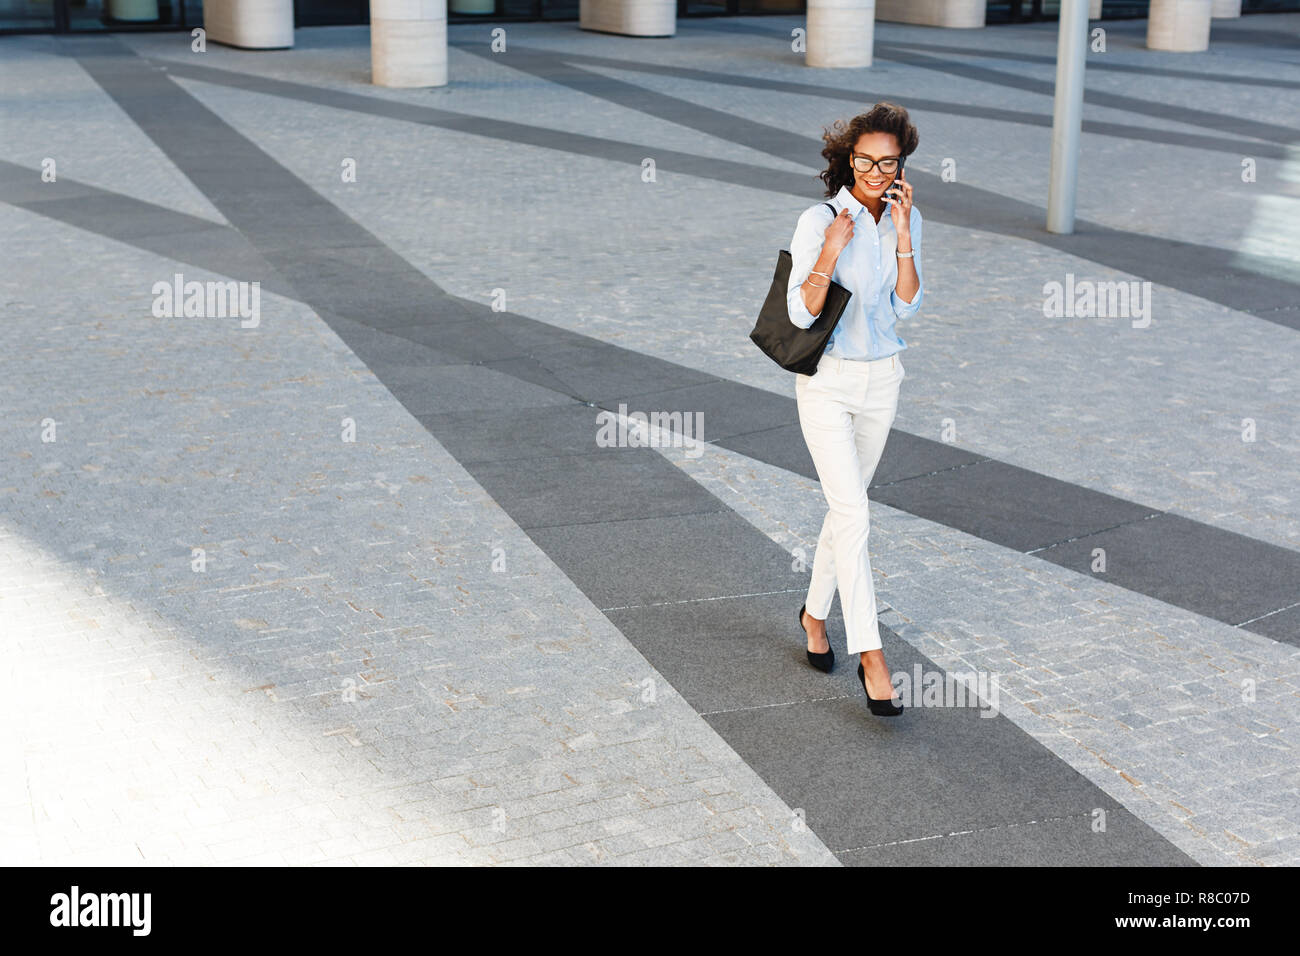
x=867 y=267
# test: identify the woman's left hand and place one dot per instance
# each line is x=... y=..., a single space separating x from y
x=900 y=209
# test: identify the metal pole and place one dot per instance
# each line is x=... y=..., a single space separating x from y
x=1067 y=115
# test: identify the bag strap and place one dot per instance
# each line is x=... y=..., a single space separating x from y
x=834 y=211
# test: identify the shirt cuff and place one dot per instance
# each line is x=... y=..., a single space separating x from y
x=797 y=310
x=902 y=308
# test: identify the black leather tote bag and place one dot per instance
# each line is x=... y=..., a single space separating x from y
x=793 y=348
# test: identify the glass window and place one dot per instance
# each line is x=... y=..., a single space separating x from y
x=27 y=15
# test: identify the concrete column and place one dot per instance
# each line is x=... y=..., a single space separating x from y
x=408 y=42
x=1225 y=9
x=841 y=33
x=1094 y=9
x=1179 y=26
x=933 y=13
x=251 y=24
x=632 y=18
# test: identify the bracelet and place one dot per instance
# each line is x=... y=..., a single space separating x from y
x=816 y=273
x=816 y=285
x=904 y=255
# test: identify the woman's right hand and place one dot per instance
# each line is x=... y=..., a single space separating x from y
x=839 y=232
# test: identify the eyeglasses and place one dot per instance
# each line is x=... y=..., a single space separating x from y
x=864 y=164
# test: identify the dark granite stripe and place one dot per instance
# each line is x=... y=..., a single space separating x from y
x=1221 y=30
x=1101 y=64
x=176 y=235
x=859 y=97
x=1242 y=30
x=1165 y=555
x=918 y=104
x=577 y=143
x=1222 y=122
x=1220 y=574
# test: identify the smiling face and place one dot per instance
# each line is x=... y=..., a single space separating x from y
x=874 y=146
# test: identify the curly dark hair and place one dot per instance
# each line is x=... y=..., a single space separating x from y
x=843 y=136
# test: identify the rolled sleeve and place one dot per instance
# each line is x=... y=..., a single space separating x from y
x=805 y=247
x=902 y=308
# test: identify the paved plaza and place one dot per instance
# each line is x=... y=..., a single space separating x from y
x=351 y=579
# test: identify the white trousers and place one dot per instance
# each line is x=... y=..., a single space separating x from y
x=845 y=411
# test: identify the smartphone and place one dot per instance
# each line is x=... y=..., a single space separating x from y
x=897 y=176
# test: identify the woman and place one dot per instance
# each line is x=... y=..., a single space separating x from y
x=871 y=247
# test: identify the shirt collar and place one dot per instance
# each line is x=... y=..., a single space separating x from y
x=848 y=201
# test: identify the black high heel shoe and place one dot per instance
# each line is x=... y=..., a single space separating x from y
x=823 y=662
x=881 y=708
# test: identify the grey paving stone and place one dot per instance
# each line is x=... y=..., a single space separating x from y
x=616 y=484
x=430 y=390
x=1018 y=509
x=1281 y=625
x=724 y=409
x=737 y=653
x=782 y=446
x=1064 y=665
x=1069 y=837
x=583 y=371
x=956 y=780
x=332 y=538
x=488 y=436
x=601 y=373
x=1204 y=569
x=656 y=560
x=911 y=456
x=223 y=694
